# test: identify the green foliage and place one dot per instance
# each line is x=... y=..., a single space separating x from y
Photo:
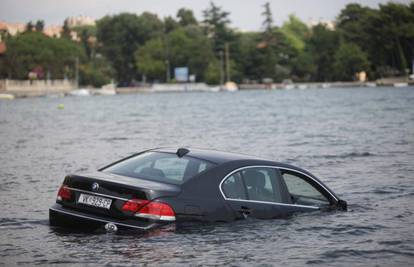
x=95 y=73
x=268 y=21
x=151 y=59
x=66 y=33
x=170 y=24
x=212 y=74
x=186 y=46
x=29 y=27
x=121 y=35
x=385 y=34
x=186 y=17
x=216 y=23
x=322 y=46
x=39 y=26
x=349 y=59
x=33 y=49
x=295 y=32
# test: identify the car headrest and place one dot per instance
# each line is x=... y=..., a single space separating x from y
x=152 y=172
x=254 y=178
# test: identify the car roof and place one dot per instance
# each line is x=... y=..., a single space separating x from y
x=215 y=156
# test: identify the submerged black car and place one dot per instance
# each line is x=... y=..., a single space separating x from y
x=158 y=186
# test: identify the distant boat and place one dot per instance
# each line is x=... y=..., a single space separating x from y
x=400 y=84
x=106 y=91
x=214 y=89
x=80 y=92
x=289 y=86
x=371 y=84
x=230 y=87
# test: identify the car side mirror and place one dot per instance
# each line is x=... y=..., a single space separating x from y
x=342 y=204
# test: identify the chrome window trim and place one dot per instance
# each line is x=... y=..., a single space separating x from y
x=266 y=202
x=98 y=194
x=272 y=203
x=102 y=220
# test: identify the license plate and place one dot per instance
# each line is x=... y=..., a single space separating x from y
x=95 y=201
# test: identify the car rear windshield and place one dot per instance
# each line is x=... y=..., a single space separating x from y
x=161 y=167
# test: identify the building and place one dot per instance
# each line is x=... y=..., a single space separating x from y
x=80 y=21
x=53 y=31
x=12 y=28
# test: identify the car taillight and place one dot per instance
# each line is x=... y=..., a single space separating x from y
x=150 y=210
x=133 y=205
x=64 y=193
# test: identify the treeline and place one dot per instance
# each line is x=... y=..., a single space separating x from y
x=131 y=48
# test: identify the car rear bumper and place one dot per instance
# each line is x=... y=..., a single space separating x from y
x=59 y=215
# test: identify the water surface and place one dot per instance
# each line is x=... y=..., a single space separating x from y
x=359 y=141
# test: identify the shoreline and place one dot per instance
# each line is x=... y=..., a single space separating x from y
x=196 y=87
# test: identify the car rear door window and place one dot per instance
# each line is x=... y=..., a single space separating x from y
x=261 y=184
x=302 y=191
x=256 y=183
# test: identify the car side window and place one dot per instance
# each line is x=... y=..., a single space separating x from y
x=261 y=184
x=233 y=187
x=303 y=192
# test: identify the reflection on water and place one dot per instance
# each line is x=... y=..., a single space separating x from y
x=359 y=141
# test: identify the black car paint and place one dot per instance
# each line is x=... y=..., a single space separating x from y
x=198 y=199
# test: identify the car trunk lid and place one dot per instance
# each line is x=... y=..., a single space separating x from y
x=105 y=193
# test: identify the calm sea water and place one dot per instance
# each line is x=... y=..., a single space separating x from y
x=359 y=141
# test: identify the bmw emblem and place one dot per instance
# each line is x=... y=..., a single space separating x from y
x=95 y=187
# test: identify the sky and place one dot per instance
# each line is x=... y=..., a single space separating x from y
x=244 y=14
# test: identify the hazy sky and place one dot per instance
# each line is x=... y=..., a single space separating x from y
x=243 y=14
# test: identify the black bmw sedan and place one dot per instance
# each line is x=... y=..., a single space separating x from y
x=160 y=186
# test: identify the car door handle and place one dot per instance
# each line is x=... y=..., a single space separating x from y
x=244 y=210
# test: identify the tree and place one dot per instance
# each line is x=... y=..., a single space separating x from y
x=96 y=72
x=40 y=25
x=212 y=73
x=186 y=46
x=216 y=24
x=66 y=32
x=151 y=59
x=385 y=35
x=322 y=46
x=186 y=17
x=87 y=34
x=349 y=59
x=355 y=24
x=29 y=27
x=170 y=24
x=304 y=67
x=31 y=50
x=295 y=32
x=268 y=22
x=396 y=35
x=121 y=35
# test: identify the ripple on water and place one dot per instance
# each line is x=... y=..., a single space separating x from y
x=357 y=138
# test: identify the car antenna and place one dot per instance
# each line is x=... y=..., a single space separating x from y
x=181 y=152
